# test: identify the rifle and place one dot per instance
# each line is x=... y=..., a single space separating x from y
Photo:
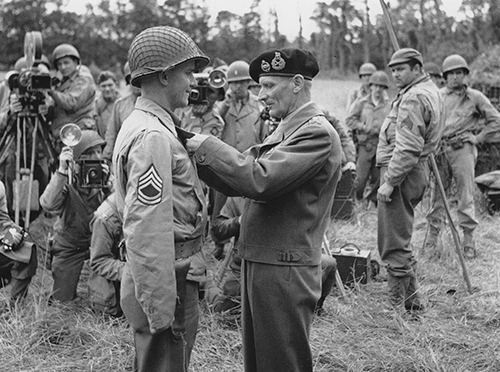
x=434 y=167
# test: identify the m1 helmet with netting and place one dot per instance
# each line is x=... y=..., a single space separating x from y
x=161 y=48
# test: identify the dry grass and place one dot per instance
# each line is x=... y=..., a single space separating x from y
x=458 y=332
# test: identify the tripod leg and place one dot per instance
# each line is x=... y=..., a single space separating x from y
x=18 y=170
x=32 y=170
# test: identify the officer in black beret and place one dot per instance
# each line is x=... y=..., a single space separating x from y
x=289 y=182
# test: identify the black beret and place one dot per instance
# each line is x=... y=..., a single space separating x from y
x=284 y=62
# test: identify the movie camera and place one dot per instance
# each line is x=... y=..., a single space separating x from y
x=32 y=81
x=205 y=83
x=88 y=173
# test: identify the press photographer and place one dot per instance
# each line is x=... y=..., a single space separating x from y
x=75 y=191
x=200 y=116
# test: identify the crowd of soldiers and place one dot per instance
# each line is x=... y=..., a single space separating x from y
x=269 y=167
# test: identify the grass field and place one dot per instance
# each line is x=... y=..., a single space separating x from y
x=458 y=332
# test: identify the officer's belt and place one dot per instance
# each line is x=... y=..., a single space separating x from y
x=188 y=248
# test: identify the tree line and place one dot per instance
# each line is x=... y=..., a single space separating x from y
x=346 y=36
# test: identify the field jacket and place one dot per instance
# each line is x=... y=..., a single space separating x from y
x=465 y=111
x=412 y=130
x=164 y=208
x=209 y=123
x=74 y=103
x=289 y=181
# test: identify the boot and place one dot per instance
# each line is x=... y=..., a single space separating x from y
x=412 y=297
x=469 y=246
x=396 y=290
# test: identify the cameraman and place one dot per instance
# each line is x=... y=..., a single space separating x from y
x=19 y=264
x=75 y=205
x=201 y=117
x=74 y=95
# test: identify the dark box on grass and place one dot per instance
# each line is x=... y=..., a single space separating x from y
x=353 y=264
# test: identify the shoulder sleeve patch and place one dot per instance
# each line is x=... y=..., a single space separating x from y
x=150 y=187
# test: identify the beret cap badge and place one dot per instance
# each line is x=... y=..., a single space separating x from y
x=278 y=62
x=265 y=66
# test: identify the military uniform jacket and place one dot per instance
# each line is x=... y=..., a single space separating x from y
x=464 y=109
x=209 y=123
x=290 y=181
x=348 y=148
x=122 y=108
x=244 y=126
x=366 y=119
x=75 y=209
x=412 y=130
x=164 y=207
x=104 y=110
x=74 y=103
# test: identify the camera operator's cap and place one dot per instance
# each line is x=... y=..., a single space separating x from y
x=160 y=48
x=65 y=50
x=90 y=138
x=238 y=71
x=406 y=55
x=284 y=62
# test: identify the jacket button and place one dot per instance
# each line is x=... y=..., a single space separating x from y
x=201 y=158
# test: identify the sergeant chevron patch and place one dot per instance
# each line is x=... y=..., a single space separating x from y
x=149 y=187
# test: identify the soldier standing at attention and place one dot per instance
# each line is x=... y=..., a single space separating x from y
x=410 y=132
x=290 y=182
x=164 y=213
x=464 y=108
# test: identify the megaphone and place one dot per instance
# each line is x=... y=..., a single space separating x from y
x=70 y=134
x=217 y=79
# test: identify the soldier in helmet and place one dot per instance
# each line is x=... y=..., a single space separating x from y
x=289 y=182
x=365 y=71
x=464 y=109
x=164 y=216
x=366 y=118
x=74 y=204
x=74 y=95
x=410 y=132
x=435 y=73
x=108 y=87
x=122 y=108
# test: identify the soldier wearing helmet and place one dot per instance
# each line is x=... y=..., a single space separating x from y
x=366 y=118
x=410 y=132
x=244 y=127
x=74 y=95
x=435 y=73
x=74 y=205
x=470 y=119
x=122 y=108
x=365 y=71
x=164 y=216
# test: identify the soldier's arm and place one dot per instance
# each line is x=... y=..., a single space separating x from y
x=81 y=92
x=345 y=140
x=226 y=224
x=52 y=199
x=148 y=228
x=410 y=130
x=353 y=120
x=492 y=116
x=283 y=169
x=105 y=236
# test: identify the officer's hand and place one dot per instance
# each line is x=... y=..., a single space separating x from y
x=15 y=104
x=469 y=137
x=17 y=236
x=193 y=143
x=65 y=158
x=384 y=192
x=349 y=166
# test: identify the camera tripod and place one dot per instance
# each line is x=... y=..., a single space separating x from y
x=23 y=129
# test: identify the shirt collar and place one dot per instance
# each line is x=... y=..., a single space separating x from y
x=166 y=117
x=295 y=119
x=420 y=79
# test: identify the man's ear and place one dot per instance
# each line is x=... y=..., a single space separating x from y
x=164 y=78
x=298 y=83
